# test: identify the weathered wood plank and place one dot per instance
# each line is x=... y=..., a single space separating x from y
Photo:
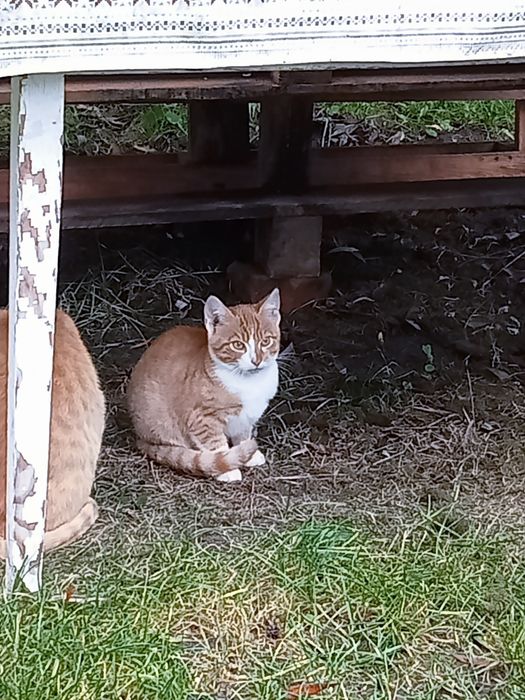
x=335 y=167
x=103 y=177
x=142 y=176
x=382 y=83
x=159 y=87
x=35 y=184
x=519 y=132
x=358 y=199
x=285 y=143
x=219 y=131
x=115 y=176
x=287 y=246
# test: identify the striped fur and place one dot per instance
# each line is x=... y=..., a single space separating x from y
x=200 y=462
x=77 y=425
x=68 y=532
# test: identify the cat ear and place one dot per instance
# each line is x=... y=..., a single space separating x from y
x=271 y=305
x=215 y=313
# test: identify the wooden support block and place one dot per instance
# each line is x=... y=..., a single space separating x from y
x=250 y=285
x=37 y=109
x=285 y=143
x=519 y=134
x=289 y=246
x=219 y=131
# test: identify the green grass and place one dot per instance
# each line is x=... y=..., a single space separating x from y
x=436 y=612
x=432 y=118
x=117 y=128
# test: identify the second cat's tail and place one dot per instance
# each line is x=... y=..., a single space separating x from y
x=67 y=532
x=197 y=462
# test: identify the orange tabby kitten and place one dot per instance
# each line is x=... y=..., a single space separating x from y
x=77 y=424
x=196 y=393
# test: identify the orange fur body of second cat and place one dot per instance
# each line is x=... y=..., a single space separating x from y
x=77 y=425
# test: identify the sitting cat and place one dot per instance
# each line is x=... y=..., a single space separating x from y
x=196 y=393
x=77 y=424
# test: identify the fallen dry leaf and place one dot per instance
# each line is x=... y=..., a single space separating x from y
x=499 y=374
x=69 y=592
x=306 y=690
x=482 y=663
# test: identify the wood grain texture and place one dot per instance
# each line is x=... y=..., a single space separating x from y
x=482 y=81
x=519 y=137
x=219 y=131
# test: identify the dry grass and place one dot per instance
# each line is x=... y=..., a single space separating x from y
x=462 y=445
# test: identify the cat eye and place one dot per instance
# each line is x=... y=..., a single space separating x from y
x=266 y=342
x=237 y=345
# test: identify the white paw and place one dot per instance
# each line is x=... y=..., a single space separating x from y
x=257 y=459
x=233 y=475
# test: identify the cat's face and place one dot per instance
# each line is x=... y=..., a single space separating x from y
x=245 y=337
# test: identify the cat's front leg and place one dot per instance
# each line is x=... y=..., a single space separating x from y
x=258 y=458
x=238 y=429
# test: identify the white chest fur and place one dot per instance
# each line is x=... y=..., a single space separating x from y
x=255 y=390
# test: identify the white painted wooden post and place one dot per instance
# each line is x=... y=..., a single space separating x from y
x=37 y=110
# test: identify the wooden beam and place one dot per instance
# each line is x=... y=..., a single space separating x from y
x=313 y=77
x=103 y=177
x=140 y=211
x=390 y=84
x=36 y=174
x=482 y=82
x=107 y=179
x=285 y=143
x=219 y=131
x=287 y=243
x=114 y=177
x=519 y=131
x=155 y=87
x=121 y=177
x=338 y=167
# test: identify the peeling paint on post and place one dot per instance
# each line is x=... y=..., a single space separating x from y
x=37 y=110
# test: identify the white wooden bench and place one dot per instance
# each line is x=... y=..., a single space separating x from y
x=42 y=40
